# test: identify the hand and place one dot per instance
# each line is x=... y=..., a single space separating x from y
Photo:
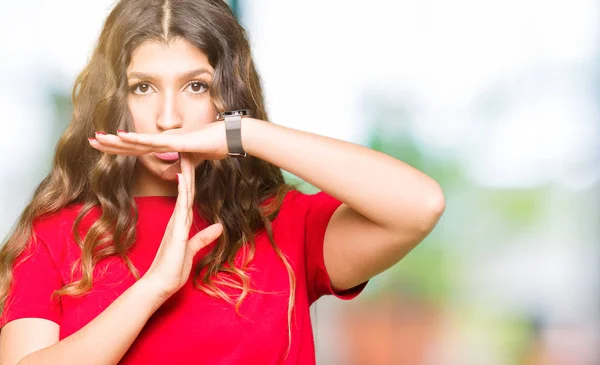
x=172 y=265
x=208 y=142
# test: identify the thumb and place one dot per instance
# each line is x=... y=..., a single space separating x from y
x=205 y=237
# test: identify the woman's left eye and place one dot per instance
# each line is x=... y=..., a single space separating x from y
x=197 y=87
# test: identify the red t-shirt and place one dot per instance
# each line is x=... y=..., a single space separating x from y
x=190 y=327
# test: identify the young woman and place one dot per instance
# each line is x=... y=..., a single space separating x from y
x=165 y=234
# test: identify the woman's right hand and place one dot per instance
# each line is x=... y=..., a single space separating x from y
x=172 y=265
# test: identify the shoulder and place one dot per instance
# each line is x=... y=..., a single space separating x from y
x=299 y=206
x=308 y=203
x=55 y=229
x=49 y=224
x=294 y=202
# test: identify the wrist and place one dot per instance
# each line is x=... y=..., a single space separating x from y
x=151 y=293
x=233 y=131
x=250 y=127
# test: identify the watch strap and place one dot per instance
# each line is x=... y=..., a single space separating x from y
x=233 y=132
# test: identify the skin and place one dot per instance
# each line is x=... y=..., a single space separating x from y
x=167 y=96
x=388 y=206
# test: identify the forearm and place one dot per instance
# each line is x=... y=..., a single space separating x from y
x=106 y=339
x=385 y=190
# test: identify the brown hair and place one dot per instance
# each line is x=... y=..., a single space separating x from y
x=232 y=190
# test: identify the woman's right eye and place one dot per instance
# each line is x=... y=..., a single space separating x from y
x=141 y=88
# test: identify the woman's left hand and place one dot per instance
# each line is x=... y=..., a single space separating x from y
x=208 y=142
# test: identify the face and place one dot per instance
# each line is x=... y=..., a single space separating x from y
x=168 y=90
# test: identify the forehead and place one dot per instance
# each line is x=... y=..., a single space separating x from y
x=173 y=57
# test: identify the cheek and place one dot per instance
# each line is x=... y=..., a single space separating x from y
x=211 y=112
x=141 y=114
x=199 y=112
x=146 y=161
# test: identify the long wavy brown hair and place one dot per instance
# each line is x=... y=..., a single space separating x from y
x=232 y=191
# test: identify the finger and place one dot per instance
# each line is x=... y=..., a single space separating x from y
x=175 y=216
x=117 y=151
x=112 y=141
x=181 y=221
x=192 y=177
x=205 y=237
x=193 y=174
x=185 y=170
x=166 y=141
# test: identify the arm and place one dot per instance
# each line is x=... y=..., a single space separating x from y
x=389 y=206
x=106 y=339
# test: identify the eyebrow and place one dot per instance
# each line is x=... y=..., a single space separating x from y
x=184 y=75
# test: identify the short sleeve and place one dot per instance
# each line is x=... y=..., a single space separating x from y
x=35 y=278
x=320 y=209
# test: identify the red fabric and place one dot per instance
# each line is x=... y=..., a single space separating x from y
x=191 y=327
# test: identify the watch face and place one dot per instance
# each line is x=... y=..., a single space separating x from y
x=243 y=112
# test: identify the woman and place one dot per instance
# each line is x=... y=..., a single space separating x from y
x=167 y=235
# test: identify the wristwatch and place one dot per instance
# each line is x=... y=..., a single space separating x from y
x=233 y=130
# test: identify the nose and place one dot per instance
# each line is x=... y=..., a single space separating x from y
x=169 y=116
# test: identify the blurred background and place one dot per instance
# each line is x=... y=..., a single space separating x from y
x=496 y=100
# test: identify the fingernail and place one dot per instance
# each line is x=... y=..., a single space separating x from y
x=92 y=139
x=101 y=133
x=121 y=131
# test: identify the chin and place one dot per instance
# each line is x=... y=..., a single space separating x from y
x=153 y=169
x=170 y=176
x=169 y=171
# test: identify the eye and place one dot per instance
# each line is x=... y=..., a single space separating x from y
x=141 y=89
x=197 y=87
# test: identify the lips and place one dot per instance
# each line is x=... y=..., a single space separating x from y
x=167 y=156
